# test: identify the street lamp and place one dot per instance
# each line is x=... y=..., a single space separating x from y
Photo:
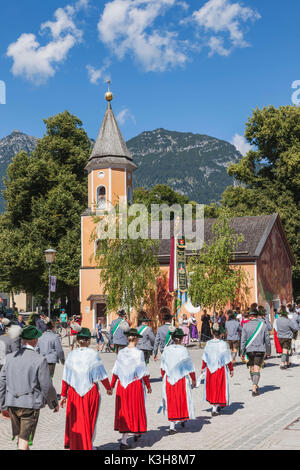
x=50 y=258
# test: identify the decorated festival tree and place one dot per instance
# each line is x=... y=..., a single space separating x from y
x=129 y=266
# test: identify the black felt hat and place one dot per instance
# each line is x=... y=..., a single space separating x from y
x=121 y=313
x=133 y=332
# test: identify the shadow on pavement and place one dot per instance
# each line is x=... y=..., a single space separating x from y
x=270 y=364
x=268 y=388
x=155 y=435
x=231 y=409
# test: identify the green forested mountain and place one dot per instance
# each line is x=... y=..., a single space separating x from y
x=192 y=164
x=9 y=147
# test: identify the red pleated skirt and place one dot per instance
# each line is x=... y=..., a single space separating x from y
x=130 y=414
x=81 y=419
x=277 y=344
x=216 y=387
x=177 y=401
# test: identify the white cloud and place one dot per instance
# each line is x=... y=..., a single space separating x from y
x=224 y=16
x=128 y=26
x=124 y=115
x=217 y=46
x=38 y=63
x=241 y=144
x=96 y=74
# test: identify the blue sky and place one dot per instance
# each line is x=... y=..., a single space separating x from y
x=198 y=66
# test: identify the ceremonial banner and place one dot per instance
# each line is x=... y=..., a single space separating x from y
x=52 y=283
x=181 y=266
x=177 y=272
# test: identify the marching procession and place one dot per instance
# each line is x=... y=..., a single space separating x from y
x=29 y=356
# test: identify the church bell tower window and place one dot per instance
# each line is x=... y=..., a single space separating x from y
x=101 y=197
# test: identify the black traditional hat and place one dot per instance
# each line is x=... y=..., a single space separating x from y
x=133 y=332
x=166 y=314
x=121 y=313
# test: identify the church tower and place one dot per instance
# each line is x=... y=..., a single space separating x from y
x=110 y=169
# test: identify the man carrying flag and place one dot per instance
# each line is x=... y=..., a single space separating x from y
x=254 y=343
x=163 y=336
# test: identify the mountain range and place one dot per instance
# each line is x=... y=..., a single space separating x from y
x=193 y=164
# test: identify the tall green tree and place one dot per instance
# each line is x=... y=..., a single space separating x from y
x=128 y=267
x=45 y=193
x=269 y=175
x=213 y=281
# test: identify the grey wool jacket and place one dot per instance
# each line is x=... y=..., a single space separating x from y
x=234 y=329
x=285 y=327
x=160 y=338
x=7 y=346
x=119 y=337
x=260 y=343
x=49 y=346
x=146 y=343
x=25 y=381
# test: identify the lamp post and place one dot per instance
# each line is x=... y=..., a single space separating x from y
x=50 y=258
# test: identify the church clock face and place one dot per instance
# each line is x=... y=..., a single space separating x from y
x=101 y=174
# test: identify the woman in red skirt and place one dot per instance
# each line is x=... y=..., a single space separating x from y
x=131 y=371
x=178 y=379
x=276 y=340
x=216 y=364
x=83 y=372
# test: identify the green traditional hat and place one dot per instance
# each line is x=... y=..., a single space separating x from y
x=254 y=313
x=178 y=333
x=283 y=312
x=84 y=333
x=133 y=332
x=31 y=332
x=262 y=312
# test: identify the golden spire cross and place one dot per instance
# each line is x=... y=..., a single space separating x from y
x=108 y=94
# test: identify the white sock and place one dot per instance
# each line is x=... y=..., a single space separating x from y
x=215 y=408
x=124 y=438
x=172 y=426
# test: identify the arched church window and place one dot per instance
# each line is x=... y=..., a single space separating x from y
x=101 y=197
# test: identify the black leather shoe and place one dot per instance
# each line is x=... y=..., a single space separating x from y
x=172 y=431
x=124 y=446
x=215 y=413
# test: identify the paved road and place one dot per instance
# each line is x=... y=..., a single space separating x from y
x=269 y=421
